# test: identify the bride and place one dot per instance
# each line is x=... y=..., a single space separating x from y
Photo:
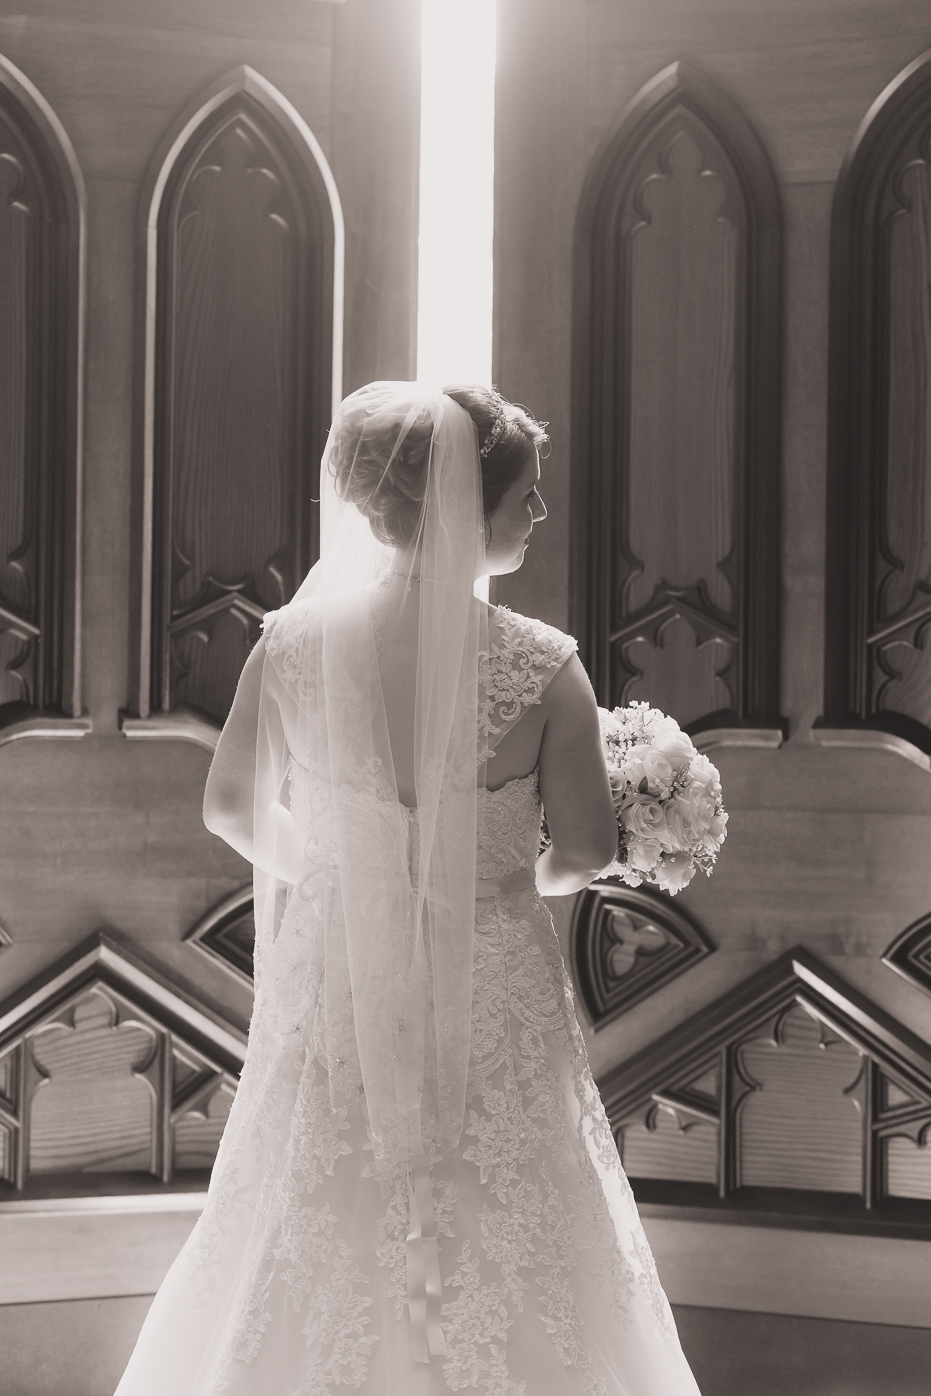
x=417 y=1190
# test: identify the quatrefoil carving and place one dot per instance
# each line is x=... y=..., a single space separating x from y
x=626 y=944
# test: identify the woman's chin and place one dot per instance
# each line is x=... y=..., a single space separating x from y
x=500 y=566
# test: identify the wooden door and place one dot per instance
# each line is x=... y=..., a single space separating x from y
x=206 y=229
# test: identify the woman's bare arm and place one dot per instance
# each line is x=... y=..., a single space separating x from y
x=574 y=786
x=229 y=795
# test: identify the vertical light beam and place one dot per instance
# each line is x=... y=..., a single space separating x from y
x=457 y=132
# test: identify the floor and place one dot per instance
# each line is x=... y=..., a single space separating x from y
x=79 y=1348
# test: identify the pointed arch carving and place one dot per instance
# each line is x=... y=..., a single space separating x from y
x=42 y=270
x=791 y=1094
x=676 y=419
x=241 y=267
x=878 y=630
x=106 y=1070
x=226 y=935
x=910 y=954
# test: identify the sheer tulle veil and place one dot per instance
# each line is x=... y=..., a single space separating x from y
x=390 y=886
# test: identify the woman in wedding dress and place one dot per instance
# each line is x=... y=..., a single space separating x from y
x=417 y=1190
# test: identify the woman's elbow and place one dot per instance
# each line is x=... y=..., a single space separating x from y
x=214 y=820
x=225 y=815
x=606 y=847
x=588 y=859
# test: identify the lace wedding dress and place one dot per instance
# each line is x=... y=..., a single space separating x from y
x=293 y=1282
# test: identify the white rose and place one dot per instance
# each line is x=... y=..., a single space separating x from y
x=645 y=763
x=715 y=834
x=678 y=826
x=675 y=744
x=644 y=818
x=633 y=762
x=618 y=783
x=697 y=806
x=703 y=773
x=674 y=871
x=644 y=854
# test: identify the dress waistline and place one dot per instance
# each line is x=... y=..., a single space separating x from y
x=517 y=881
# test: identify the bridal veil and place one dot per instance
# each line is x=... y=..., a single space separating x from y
x=390 y=886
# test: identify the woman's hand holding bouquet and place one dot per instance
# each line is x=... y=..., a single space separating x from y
x=667 y=799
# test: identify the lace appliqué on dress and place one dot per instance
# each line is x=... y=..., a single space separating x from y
x=288 y=641
x=514 y=671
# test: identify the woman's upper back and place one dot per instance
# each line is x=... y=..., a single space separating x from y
x=536 y=709
x=522 y=656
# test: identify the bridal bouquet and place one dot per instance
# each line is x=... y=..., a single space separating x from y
x=667 y=799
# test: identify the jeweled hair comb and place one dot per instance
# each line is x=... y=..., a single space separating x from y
x=494 y=436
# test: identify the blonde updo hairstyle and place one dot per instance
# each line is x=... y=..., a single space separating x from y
x=389 y=491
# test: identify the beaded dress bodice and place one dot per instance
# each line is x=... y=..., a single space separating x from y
x=509 y=827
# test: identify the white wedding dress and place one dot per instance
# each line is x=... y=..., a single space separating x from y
x=293 y=1281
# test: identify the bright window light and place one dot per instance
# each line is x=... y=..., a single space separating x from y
x=457 y=131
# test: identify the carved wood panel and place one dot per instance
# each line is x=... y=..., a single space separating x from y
x=910 y=954
x=878 y=636
x=672 y=1144
x=198 y=1128
x=791 y=1086
x=99 y=1080
x=677 y=411
x=908 y=1166
x=226 y=935
x=242 y=397
x=94 y=1103
x=626 y=943
x=800 y=1124
x=34 y=329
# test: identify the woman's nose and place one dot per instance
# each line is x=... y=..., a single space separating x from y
x=539 y=510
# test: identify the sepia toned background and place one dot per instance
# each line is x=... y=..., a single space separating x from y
x=712 y=234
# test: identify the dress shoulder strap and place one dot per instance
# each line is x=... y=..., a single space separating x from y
x=523 y=655
x=292 y=641
x=273 y=630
